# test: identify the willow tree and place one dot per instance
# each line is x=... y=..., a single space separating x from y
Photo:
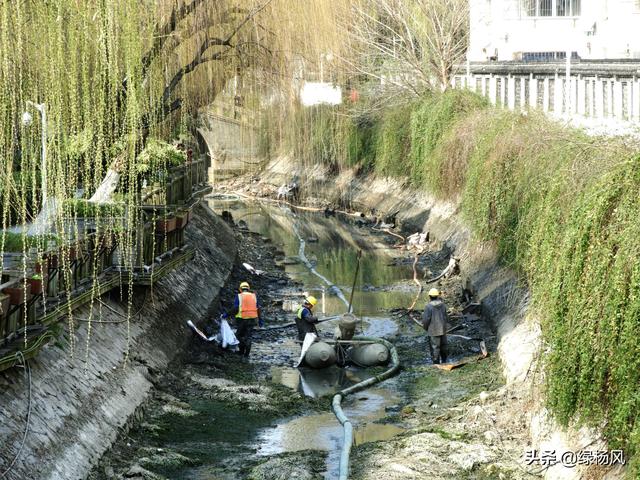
x=113 y=73
x=198 y=46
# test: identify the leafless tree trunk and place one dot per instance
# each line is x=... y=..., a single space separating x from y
x=412 y=44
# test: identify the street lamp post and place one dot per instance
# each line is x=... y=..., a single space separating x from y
x=26 y=120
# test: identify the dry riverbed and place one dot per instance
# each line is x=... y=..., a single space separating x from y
x=211 y=414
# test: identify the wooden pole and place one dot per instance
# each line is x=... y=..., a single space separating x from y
x=355 y=279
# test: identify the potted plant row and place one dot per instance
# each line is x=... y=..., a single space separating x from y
x=36 y=282
x=17 y=246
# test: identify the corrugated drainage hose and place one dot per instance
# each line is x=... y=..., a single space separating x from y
x=337 y=399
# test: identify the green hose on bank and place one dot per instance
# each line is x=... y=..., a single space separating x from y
x=337 y=400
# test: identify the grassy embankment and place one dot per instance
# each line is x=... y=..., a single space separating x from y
x=561 y=208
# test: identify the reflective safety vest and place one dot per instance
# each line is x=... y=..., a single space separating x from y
x=301 y=310
x=247 y=305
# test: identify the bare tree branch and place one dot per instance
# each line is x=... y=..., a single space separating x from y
x=163 y=33
x=418 y=42
x=251 y=14
x=199 y=58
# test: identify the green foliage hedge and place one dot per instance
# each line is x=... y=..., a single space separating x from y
x=561 y=207
x=399 y=141
x=16 y=242
x=431 y=119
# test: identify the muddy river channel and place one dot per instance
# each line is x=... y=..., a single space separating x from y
x=216 y=416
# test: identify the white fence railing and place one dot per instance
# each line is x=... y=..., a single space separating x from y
x=587 y=96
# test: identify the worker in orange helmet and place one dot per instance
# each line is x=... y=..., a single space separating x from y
x=246 y=309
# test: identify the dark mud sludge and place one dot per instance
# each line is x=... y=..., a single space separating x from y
x=213 y=415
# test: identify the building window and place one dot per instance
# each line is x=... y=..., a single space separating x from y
x=551 y=8
x=567 y=8
x=545 y=8
x=529 y=8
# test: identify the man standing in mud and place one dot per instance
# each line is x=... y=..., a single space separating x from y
x=434 y=321
x=305 y=319
x=246 y=309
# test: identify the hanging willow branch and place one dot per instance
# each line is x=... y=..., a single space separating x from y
x=204 y=47
x=198 y=60
x=110 y=73
x=166 y=107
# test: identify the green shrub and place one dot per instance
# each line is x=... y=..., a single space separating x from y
x=320 y=134
x=591 y=322
x=360 y=134
x=393 y=141
x=158 y=155
x=18 y=242
x=562 y=209
x=432 y=118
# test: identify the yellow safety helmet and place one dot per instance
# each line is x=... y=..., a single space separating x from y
x=311 y=300
x=434 y=292
x=244 y=286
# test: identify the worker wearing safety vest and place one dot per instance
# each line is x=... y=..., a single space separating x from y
x=246 y=309
x=305 y=320
x=434 y=321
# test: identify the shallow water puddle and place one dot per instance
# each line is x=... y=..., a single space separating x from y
x=323 y=432
x=332 y=252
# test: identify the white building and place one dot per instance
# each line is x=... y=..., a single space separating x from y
x=541 y=30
